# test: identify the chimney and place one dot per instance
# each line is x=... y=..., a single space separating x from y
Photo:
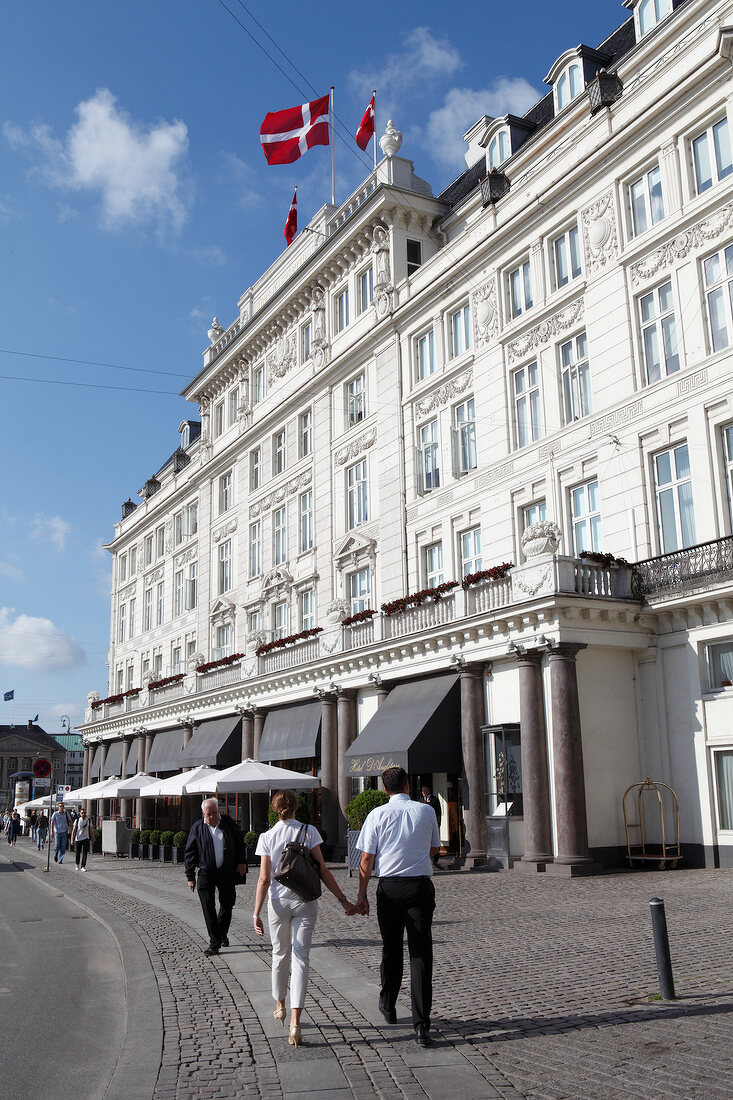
x=30 y=723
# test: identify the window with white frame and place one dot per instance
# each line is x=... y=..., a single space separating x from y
x=499 y=149
x=178 y=528
x=566 y=260
x=724 y=787
x=646 y=202
x=307 y=609
x=175 y=658
x=222 y=641
x=568 y=85
x=585 y=515
x=255 y=549
x=434 y=574
x=519 y=289
x=720 y=664
x=178 y=592
x=191 y=594
x=218 y=418
x=727 y=433
x=306 y=338
x=652 y=12
x=190 y=645
x=121 y=622
x=533 y=513
x=357 y=493
x=414 y=256
x=255 y=468
x=131 y=625
x=658 y=333
x=148 y=609
x=160 y=542
x=460 y=330
x=233 y=404
x=428 y=457
x=471 y=559
x=356 y=400
x=185 y=436
x=359 y=590
x=225 y=566
x=527 y=405
x=254 y=620
x=130 y=676
x=226 y=498
x=424 y=355
x=120 y=681
x=160 y=604
x=258 y=383
x=279 y=620
x=122 y=568
x=463 y=438
x=575 y=378
x=306 y=520
x=718 y=279
x=673 y=487
x=711 y=156
x=305 y=432
x=148 y=549
x=145 y=666
x=278 y=452
x=341 y=310
x=157 y=664
x=365 y=289
x=279 y=536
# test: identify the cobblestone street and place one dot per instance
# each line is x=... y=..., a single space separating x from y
x=544 y=988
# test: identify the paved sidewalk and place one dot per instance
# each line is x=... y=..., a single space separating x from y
x=544 y=990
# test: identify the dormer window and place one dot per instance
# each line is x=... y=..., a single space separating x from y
x=185 y=436
x=572 y=73
x=499 y=148
x=569 y=85
x=651 y=12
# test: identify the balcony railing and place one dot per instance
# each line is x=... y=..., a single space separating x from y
x=289 y=656
x=700 y=566
x=169 y=691
x=414 y=619
x=219 y=677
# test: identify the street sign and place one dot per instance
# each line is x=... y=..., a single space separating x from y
x=61 y=790
x=42 y=768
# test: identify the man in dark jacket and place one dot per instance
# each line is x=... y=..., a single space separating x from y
x=216 y=846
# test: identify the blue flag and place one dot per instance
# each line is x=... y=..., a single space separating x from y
x=8 y=696
x=35 y=719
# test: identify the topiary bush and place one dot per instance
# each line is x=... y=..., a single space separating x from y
x=250 y=839
x=179 y=839
x=166 y=838
x=302 y=812
x=145 y=836
x=155 y=836
x=134 y=836
x=360 y=807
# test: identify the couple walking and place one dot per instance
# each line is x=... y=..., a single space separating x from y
x=397 y=843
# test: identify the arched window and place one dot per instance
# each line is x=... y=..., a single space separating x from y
x=569 y=85
x=499 y=148
x=652 y=12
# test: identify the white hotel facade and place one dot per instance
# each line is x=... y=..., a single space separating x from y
x=407 y=390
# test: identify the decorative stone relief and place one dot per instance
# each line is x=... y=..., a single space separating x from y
x=186 y=556
x=283 y=358
x=356 y=447
x=599 y=233
x=539 y=538
x=709 y=229
x=281 y=493
x=337 y=610
x=549 y=450
x=542 y=333
x=216 y=331
x=383 y=288
x=276 y=580
x=93 y=697
x=151 y=578
x=222 y=532
x=195 y=660
x=330 y=641
x=445 y=393
x=485 y=316
x=256 y=638
x=320 y=349
x=493 y=476
x=616 y=419
x=531 y=582
x=691 y=383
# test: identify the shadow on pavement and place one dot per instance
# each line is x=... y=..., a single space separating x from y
x=17 y=866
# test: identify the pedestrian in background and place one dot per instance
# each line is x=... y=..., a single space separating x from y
x=41 y=831
x=397 y=842
x=291 y=920
x=59 y=833
x=14 y=828
x=81 y=838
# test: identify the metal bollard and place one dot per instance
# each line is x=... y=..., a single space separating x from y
x=661 y=946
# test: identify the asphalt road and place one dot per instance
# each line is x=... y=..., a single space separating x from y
x=61 y=992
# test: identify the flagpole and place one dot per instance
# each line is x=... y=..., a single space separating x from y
x=374 y=135
x=333 y=157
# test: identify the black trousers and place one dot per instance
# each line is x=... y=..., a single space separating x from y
x=217 y=923
x=81 y=848
x=407 y=904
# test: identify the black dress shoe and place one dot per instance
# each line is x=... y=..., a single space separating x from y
x=211 y=951
x=389 y=1013
x=224 y=942
x=422 y=1037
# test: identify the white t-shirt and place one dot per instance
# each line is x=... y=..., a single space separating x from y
x=217 y=839
x=272 y=844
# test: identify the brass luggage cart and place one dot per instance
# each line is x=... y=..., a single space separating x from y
x=654 y=837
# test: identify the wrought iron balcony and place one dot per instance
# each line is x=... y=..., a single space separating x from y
x=697 y=567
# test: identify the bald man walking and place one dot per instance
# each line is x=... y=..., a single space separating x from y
x=215 y=846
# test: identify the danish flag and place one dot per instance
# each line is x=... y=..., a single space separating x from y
x=291 y=225
x=366 y=127
x=287 y=135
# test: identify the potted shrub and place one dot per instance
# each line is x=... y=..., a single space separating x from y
x=97 y=842
x=179 y=844
x=134 y=843
x=166 y=846
x=154 y=844
x=145 y=843
x=357 y=812
x=250 y=843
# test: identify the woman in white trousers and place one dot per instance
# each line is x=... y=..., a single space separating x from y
x=291 y=920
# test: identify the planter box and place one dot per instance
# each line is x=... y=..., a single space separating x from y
x=177 y=855
x=151 y=851
x=133 y=849
x=164 y=853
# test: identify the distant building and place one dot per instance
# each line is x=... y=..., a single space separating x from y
x=20 y=747
x=74 y=761
x=533 y=367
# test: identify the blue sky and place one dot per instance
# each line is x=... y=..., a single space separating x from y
x=135 y=203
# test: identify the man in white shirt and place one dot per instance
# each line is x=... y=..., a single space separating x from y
x=397 y=842
x=216 y=846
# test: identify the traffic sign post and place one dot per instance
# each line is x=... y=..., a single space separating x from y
x=42 y=768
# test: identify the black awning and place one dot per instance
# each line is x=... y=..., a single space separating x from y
x=217 y=742
x=291 y=733
x=417 y=727
x=94 y=769
x=166 y=751
x=131 y=768
x=113 y=760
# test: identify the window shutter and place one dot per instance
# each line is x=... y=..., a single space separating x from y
x=419 y=471
x=190 y=595
x=455 y=451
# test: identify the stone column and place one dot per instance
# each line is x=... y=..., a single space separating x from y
x=87 y=765
x=259 y=801
x=329 y=770
x=346 y=712
x=474 y=768
x=535 y=781
x=139 y=802
x=124 y=802
x=187 y=732
x=248 y=735
x=569 y=781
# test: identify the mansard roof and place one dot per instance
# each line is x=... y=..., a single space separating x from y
x=33 y=735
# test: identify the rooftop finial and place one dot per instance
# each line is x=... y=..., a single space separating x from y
x=391 y=140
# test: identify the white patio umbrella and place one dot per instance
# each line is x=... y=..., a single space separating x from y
x=130 y=788
x=44 y=803
x=179 y=784
x=252 y=775
x=92 y=790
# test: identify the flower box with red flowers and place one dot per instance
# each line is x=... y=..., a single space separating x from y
x=599 y=558
x=359 y=617
x=220 y=663
x=393 y=607
x=165 y=681
x=267 y=647
x=494 y=573
x=115 y=698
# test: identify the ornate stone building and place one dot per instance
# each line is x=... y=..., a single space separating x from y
x=531 y=366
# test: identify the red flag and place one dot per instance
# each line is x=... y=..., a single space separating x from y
x=291 y=225
x=366 y=127
x=286 y=135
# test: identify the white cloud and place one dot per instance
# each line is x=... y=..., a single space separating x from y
x=210 y=255
x=13 y=572
x=247 y=182
x=30 y=642
x=135 y=169
x=53 y=529
x=463 y=106
x=422 y=59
